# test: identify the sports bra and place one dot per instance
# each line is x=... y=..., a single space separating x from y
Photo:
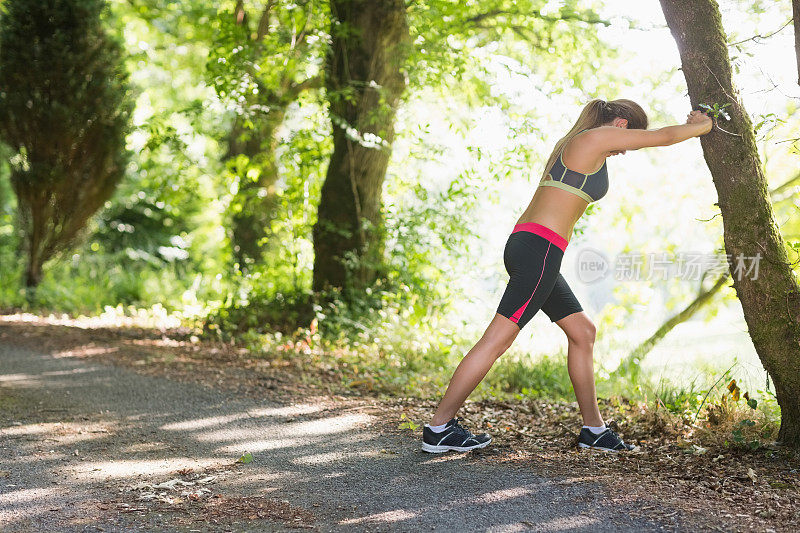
x=590 y=187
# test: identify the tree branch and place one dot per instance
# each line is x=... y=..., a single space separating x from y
x=300 y=38
x=263 y=23
x=475 y=19
x=314 y=82
x=239 y=14
x=703 y=297
x=767 y=36
x=782 y=187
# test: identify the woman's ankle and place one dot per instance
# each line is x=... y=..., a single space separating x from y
x=594 y=422
x=438 y=420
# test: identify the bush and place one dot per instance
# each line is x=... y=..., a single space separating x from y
x=64 y=111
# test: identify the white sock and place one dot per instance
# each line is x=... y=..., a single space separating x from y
x=596 y=429
x=436 y=429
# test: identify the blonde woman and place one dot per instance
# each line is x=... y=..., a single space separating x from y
x=575 y=176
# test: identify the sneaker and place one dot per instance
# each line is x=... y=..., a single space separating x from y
x=607 y=441
x=454 y=437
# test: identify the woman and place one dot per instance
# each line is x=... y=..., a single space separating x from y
x=575 y=176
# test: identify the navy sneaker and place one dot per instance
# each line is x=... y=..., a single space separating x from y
x=607 y=441
x=454 y=437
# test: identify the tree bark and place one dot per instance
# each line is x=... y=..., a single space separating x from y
x=771 y=301
x=364 y=83
x=796 y=16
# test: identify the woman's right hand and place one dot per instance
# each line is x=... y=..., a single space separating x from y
x=698 y=117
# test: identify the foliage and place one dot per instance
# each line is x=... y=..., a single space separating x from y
x=64 y=110
x=442 y=32
x=161 y=229
x=205 y=82
x=260 y=59
x=8 y=233
x=717 y=110
x=260 y=63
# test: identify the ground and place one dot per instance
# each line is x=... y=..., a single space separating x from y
x=118 y=429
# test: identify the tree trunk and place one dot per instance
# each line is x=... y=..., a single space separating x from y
x=633 y=360
x=255 y=202
x=364 y=83
x=771 y=301
x=796 y=15
x=33 y=270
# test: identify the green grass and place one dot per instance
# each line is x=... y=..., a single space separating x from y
x=89 y=287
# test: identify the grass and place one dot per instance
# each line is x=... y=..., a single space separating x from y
x=91 y=285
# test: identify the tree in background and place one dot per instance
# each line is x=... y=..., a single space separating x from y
x=771 y=300
x=796 y=18
x=261 y=65
x=364 y=82
x=64 y=110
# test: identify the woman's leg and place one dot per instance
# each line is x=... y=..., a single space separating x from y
x=532 y=262
x=497 y=338
x=580 y=362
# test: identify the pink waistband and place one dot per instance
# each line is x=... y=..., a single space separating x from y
x=543 y=231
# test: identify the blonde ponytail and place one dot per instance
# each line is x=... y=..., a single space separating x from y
x=590 y=117
x=595 y=114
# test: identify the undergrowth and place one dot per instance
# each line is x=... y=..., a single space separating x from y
x=389 y=353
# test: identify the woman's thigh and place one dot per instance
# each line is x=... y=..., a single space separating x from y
x=561 y=301
x=532 y=263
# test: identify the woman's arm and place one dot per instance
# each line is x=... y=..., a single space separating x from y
x=610 y=138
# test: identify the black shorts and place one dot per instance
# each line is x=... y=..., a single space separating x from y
x=532 y=257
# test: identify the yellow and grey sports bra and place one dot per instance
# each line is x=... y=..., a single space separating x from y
x=590 y=187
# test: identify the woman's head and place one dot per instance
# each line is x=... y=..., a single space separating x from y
x=627 y=110
x=621 y=112
x=601 y=113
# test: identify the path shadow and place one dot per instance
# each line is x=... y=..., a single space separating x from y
x=77 y=436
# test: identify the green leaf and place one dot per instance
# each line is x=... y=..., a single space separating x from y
x=246 y=458
x=753 y=403
x=408 y=424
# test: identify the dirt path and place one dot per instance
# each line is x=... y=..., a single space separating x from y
x=88 y=446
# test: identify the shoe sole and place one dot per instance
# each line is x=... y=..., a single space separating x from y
x=600 y=449
x=430 y=448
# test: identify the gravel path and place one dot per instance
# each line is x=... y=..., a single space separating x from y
x=83 y=444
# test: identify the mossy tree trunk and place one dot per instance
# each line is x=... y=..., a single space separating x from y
x=771 y=299
x=364 y=82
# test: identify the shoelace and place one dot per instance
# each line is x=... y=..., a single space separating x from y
x=616 y=436
x=460 y=428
